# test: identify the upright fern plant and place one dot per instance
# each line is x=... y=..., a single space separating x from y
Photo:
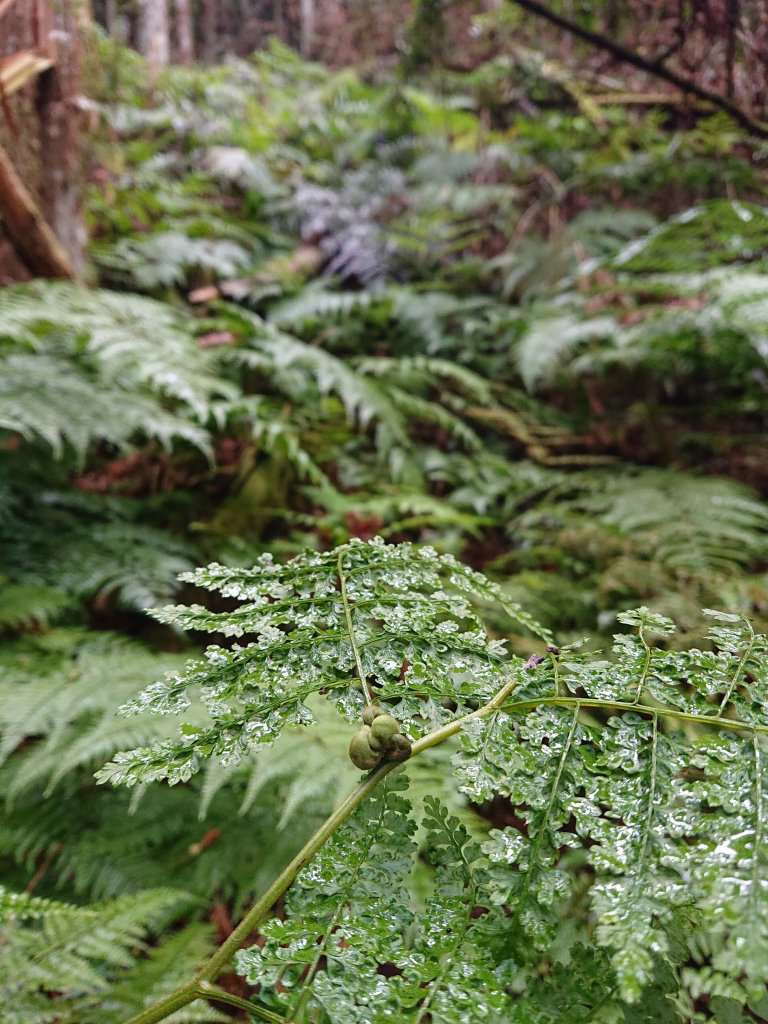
x=634 y=877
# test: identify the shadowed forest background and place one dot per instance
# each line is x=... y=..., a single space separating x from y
x=488 y=276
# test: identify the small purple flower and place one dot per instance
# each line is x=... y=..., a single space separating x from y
x=533 y=661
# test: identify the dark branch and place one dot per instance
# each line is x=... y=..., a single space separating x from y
x=650 y=67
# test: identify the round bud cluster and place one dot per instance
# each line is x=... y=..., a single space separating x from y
x=379 y=739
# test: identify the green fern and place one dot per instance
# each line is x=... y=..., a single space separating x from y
x=57 y=724
x=25 y=606
x=111 y=557
x=712 y=234
x=682 y=522
x=88 y=366
x=171 y=259
x=652 y=765
x=58 y=961
x=323 y=649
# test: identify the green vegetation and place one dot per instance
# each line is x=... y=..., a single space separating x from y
x=527 y=351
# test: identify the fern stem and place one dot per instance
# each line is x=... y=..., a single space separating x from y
x=739 y=668
x=646 y=666
x=196 y=989
x=304 y=993
x=621 y=705
x=165 y=1007
x=449 y=959
x=220 y=995
x=648 y=823
x=759 y=838
x=266 y=901
x=351 y=628
x=432 y=739
x=534 y=856
x=213 y=967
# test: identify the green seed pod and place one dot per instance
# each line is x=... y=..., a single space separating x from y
x=400 y=748
x=384 y=727
x=360 y=752
x=371 y=711
x=377 y=747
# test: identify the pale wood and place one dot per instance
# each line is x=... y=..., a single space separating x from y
x=185 y=46
x=154 y=36
x=19 y=68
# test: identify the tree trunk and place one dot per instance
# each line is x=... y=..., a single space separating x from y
x=184 y=39
x=209 y=29
x=154 y=42
x=60 y=133
x=307 y=27
x=110 y=17
x=41 y=225
x=279 y=21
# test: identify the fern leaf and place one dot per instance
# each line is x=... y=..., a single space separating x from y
x=627 y=786
x=308 y=630
x=56 y=960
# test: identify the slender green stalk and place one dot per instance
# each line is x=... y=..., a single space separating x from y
x=213 y=967
x=165 y=1007
x=220 y=995
x=351 y=627
x=646 y=666
x=640 y=709
x=266 y=901
x=739 y=668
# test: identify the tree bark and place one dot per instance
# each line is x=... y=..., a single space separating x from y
x=32 y=238
x=185 y=48
x=110 y=17
x=209 y=29
x=154 y=40
x=307 y=27
x=41 y=225
x=60 y=119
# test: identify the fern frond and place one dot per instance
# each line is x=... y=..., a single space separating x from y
x=56 y=704
x=101 y=365
x=687 y=522
x=541 y=350
x=352 y=912
x=316 y=302
x=630 y=789
x=24 y=606
x=299 y=367
x=109 y=557
x=56 y=960
x=133 y=340
x=315 y=645
x=713 y=233
x=170 y=259
x=350 y=908
x=47 y=399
